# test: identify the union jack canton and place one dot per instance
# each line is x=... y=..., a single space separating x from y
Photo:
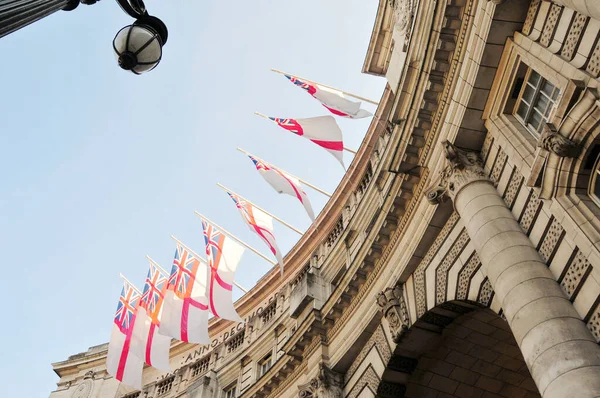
x=126 y=308
x=183 y=272
x=290 y=125
x=152 y=295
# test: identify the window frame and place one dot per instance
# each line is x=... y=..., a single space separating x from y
x=550 y=108
x=266 y=360
x=593 y=180
x=229 y=389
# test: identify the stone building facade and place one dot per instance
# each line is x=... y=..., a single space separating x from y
x=460 y=254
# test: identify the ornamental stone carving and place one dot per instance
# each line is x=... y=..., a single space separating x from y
x=83 y=389
x=463 y=168
x=404 y=11
x=327 y=384
x=552 y=141
x=89 y=375
x=395 y=311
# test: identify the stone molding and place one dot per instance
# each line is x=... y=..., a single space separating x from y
x=327 y=384
x=377 y=341
x=369 y=379
x=463 y=168
x=552 y=141
x=392 y=304
x=419 y=274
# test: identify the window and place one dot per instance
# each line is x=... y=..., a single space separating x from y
x=269 y=312
x=229 y=392
x=201 y=366
x=165 y=386
x=594 y=186
x=536 y=102
x=264 y=365
x=235 y=342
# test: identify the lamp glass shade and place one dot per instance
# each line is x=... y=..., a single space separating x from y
x=138 y=48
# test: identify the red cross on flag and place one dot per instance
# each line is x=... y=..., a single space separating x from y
x=147 y=343
x=283 y=183
x=185 y=310
x=260 y=223
x=321 y=130
x=120 y=363
x=223 y=255
x=332 y=99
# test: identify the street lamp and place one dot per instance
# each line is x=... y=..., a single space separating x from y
x=138 y=47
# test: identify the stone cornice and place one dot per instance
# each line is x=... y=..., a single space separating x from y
x=375 y=43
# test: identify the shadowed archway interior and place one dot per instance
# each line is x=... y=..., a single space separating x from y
x=459 y=350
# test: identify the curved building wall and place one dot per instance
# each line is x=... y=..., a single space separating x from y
x=398 y=265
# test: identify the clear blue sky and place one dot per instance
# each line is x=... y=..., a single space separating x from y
x=98 y=166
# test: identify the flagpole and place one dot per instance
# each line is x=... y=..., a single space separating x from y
x=130 y=284
x=308 y=184
x=241 y=242
x=203 y=260
x=329 y=87
x=158 y=266
x=269 y=119
x=261 y=209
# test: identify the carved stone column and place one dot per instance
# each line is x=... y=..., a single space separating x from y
x=586 y=7
x=561 y=353
x=394 y=310
x=327 y=384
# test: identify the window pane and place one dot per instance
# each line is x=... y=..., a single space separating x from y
x=547 y=88
x=528 y=93
x=548 y=110
x=535 y=120
x=541 y=104
x=522 y=111
x=534 y=78
x=596 y=187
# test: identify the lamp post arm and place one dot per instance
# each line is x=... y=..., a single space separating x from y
x=134 y=8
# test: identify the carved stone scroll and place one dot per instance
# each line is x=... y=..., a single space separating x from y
x=552 y=141
x=463 y=168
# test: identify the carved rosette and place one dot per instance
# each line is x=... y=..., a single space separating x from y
x=392 y=304
x=463 y=168
x=327 y=384
x=83 y=389
x=552 y=141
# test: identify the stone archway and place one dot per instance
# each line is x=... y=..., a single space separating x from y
x=458 y=349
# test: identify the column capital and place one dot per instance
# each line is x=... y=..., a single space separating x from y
x=327 y=384
x=463 y=167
